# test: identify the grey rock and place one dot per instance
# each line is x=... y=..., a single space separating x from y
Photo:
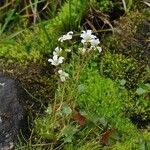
x=11 y=111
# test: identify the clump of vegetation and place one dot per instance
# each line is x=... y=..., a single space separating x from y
x=94 y=104
x=126 y=61
x=118 y=67
x=81 y=95
x=31 y=44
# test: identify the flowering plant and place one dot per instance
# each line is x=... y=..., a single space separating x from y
x=89 y=43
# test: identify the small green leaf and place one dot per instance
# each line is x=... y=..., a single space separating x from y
x=103 y=121
x=140 y=91
x=122 y=82
x=81 y=88
x=68 y=133
x=66 y=110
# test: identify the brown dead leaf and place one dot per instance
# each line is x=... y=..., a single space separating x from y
x=81 y=120
x=105 y=136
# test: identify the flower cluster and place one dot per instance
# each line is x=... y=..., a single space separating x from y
x=57 y=59
x=90 y=42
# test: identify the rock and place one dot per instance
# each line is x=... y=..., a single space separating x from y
x=143 y=34
x=131 y=36
x=11 y=112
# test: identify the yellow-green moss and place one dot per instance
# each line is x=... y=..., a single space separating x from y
x=32 y=43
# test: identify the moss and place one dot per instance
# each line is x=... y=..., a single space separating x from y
x=126 y=37
x=129 y=43
x=103 y=105
x=137 y=142
x=137 y=108
x=118 y=67
x=101 y=97
x=105 y=5
x=37 y=80
x=106 y=103
x=30 y=44
x=16 y=53
x=126 y=59
x=126 y=71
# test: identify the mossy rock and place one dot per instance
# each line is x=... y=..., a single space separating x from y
x=37 y=80
x=126 y=59
x=119 y=67
x=127 y=50
x=131 y=37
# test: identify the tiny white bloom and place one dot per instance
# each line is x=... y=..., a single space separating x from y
x=82 y=50
x=56 y=60
x=87 y=36
x=94 y=42
x=95 y=48
x=57 y=51
x=99 y=49
x=68 y=50
x=65 y=37
x=63 y=75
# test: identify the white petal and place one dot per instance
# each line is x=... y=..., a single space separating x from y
x=60 y=59
x=99 y=49
x=57 y=49
x=54 y=63
x=70 y=33
x=68 y=50
x=63 y=75
x=82 y=50
x=94 y=42
x=89 y=32
x=60 y=71
x=82 y=35
x=60 y=39
x=62 y=78
x=65 y=37
x=93 y=36
x=50 y=60
x=54 y=53
x=83 y=41
x=68 y=37
x=91 y=48
x=55 y=58
x=66 y=74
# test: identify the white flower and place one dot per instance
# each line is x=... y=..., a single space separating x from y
x=87 y=36
x=63 y=75
x=57 y=51
x=68 y=50
x=56 y=60
x=68 y=36
x=82 y=50
x=95 y=48
x=94 y=42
